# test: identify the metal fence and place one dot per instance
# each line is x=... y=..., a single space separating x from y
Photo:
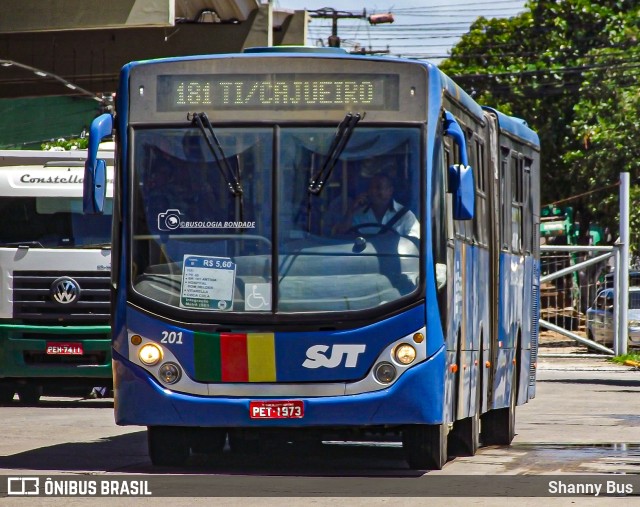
x=571 y=279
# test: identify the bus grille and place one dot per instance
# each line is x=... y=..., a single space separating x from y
x=34 y=302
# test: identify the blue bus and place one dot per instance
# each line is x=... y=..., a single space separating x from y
x=259 y=293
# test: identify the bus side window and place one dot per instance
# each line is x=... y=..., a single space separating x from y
x=505 y=199
x=479 y=170
x=517 y=201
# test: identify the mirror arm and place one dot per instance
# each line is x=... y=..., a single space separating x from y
x=453 y=130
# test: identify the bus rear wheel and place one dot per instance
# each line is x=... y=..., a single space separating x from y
x=425 y=446
x=168 y=445
x=498 y=426
x=464 y=439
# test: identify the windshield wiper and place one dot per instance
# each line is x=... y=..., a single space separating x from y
x=231 y=179
x=339 y=143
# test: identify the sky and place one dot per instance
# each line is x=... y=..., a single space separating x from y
x=425 y=29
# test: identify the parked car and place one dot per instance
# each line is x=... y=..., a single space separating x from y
x=600 y=322
x=634 y=279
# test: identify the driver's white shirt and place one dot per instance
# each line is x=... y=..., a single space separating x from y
x=407 y=225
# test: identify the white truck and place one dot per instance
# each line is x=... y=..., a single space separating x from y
x=55 y=265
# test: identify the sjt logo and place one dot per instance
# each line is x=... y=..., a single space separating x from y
x=316 y=357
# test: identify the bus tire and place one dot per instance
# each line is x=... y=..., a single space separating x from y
x=499 y=425
x=425 y=446
x=464 y=438
x=29 y=394
x=208 y=440
x=7 y=391
x=168 y=445
x=245 y=443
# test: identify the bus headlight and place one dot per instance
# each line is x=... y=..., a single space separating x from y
x=405 y=354
x=169 y=373
x=150 y=354
x=385 y=373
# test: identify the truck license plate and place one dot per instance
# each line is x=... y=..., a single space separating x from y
x=64 y=349
x=293 y=409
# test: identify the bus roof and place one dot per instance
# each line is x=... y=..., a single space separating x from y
x=515 y=126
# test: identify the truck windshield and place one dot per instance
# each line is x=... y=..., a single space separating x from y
x=281 y=248
x=52 y=222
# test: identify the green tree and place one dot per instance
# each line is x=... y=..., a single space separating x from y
x=552 y=65
x=76 y=143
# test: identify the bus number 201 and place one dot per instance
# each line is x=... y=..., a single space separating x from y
x=171 y=337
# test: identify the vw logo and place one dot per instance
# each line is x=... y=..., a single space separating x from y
x=65 y=290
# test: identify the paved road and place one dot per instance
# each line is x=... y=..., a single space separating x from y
x=584 y=420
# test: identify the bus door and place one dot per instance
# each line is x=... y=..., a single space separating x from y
x=497 y=172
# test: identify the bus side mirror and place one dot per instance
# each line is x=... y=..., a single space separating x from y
x=461 y=183
x=94 y=186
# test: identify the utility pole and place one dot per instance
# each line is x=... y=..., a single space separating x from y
x=334 y=15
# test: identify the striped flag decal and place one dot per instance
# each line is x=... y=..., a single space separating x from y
x=234 y=357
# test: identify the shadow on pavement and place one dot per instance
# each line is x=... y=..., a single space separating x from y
x=127 y=454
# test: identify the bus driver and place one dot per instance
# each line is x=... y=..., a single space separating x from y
x=377 y=208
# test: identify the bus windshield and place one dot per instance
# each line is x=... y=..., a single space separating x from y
x=53 y=222
x=275 y=246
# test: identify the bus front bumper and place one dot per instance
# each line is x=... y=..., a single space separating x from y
x=415 y=398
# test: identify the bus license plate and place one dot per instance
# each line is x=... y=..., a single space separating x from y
x=64 y=349
x=276 y=409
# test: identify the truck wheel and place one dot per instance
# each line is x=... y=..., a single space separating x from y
x=168 y=445
x=6 y=393
x=29 y=394
x=425 y=446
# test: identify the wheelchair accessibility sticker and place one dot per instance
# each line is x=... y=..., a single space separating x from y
x=207 y=283
x=257 y=297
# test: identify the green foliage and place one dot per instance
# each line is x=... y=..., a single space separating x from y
x=633 y=356
x=78 y=143
x=571 y=69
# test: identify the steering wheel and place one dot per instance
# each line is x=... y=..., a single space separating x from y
x=382 y=229
x=357 y=229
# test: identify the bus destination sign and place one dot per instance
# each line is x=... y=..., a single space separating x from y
x=277 y=91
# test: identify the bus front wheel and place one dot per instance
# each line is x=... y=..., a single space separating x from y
x=168 y=445
x=425 y=445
